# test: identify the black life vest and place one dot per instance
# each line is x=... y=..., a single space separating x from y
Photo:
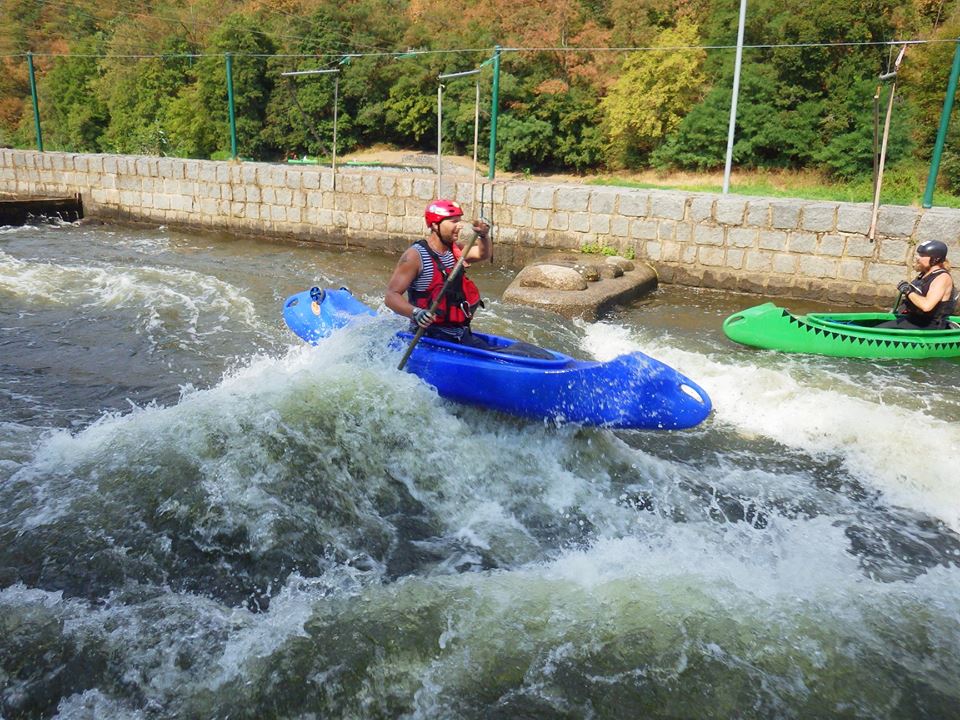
x=941 y=312
x=461 y=298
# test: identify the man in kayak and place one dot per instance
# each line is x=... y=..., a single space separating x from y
x=424 y=268
x=930 y=299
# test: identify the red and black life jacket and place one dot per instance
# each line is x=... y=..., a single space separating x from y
x=461 y=298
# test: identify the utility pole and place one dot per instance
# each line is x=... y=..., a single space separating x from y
x=733 y=104
x=494 y=109
x=942 y=132
x=36 y=107
x=233 y=119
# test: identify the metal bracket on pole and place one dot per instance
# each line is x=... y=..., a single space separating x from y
x=440 y=86
x=450 y=76
x=336 y=101
x=309 y=72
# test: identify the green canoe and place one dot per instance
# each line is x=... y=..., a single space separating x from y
x=838 y=334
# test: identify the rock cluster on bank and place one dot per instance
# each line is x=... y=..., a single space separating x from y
x=577 y=285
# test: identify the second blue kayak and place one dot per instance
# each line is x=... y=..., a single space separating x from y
x=631 y=391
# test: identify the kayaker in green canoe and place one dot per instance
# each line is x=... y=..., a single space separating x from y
x=927 y=302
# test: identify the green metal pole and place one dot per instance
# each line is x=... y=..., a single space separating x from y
x=36 y=107
x=494 y=107
x=233 y=118
x=942 y=132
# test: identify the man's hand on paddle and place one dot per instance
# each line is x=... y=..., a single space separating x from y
x=906 y=288
x=482 y=248
x=423 y=317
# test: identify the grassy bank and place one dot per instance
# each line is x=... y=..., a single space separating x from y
x=901 y=186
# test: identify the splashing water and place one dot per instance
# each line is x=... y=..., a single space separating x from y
x=309 y=533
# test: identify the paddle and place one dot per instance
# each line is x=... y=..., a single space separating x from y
x=896 y=305
x=436 y=300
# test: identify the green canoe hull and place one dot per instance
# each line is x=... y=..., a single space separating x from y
x=837 y=334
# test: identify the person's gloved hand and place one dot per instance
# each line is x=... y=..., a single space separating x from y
x=906 y=288
x=423 y=317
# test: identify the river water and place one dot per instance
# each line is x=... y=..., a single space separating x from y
x=200 y=517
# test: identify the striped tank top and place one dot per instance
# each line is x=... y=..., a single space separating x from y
x=422 y=281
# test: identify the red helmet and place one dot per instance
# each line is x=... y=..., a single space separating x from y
x=440 y=210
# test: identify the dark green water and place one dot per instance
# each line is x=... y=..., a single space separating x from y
x=202 y=518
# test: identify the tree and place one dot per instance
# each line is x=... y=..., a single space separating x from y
x=74 y=117
x=654 y=91
x=411 y=107
x=699 y=141
x=800 y=102
x=138 y=95
x=300 y=109
x=848 y=148
x=923 y=78
x=239 y=34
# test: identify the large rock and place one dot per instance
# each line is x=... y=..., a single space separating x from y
x=554 y=277
x=619 y=262
x=559 y=283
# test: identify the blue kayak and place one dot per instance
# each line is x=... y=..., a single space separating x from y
x=631 y=391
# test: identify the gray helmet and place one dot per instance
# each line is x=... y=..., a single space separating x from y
x=933 y=249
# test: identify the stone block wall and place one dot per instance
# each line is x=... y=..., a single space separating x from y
x=767 y=246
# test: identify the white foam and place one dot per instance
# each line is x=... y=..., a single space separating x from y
x=734 y=597
x=290 y=608
x=169 y=302
x=250 y=404
x=95 y=705
x=899 y=450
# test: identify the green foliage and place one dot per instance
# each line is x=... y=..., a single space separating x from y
x=780 y=124
x=606 y=250
x=557 y=126
x=139 y=95
x=578 y=138
x=652 y=94
x=300 y=109
x=924 y=76
x=73 y=117
x=598 y=249
x=800 y=105
x=411 y=107
x=192 y=134
x=239 y=34
x=700 y=139
x=849 y=152
x=523 y=141
x=950 y=167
